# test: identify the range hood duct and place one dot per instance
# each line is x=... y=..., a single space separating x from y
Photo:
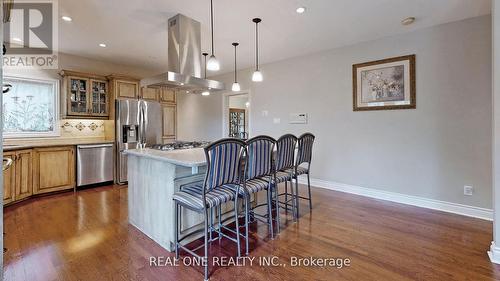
x=184 y=59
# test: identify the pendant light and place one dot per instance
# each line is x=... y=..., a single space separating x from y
x=236 y=86
x=213 y=63
x=257 y=75
x=206 y=92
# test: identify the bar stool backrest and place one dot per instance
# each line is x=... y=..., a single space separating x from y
x=259 y=157
x=304 y=151
x=224 y=163
x=285 y=152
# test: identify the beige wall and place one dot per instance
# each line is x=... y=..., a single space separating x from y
x=432 y=151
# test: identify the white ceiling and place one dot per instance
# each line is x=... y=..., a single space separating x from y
x=135 y=31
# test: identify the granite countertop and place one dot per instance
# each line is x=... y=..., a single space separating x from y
x=193 y=157
x=27 y=144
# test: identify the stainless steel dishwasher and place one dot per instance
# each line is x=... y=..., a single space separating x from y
x=94 y=164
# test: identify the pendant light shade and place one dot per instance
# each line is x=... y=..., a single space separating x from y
x=206 y=92
x=213 y=63
x=257 y=75
x=236 y=86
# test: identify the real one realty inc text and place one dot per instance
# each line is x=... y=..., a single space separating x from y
x=273 y=261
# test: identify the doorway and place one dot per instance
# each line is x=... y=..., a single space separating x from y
x=236 y=116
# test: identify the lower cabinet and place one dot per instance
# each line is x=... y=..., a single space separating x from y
x=18 y=179
x=54 y=169
x=9 y=179
x=24 y=174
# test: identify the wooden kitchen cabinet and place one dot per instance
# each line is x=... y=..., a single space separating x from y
x=169 y=122
x=150 y=94
x=9 y=179
x=85 y=95
x=18 y=179
x=24 y=174
x=54 y=169
x=168 y=96
x=124 y=87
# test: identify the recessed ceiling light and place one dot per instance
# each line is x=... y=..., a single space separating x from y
x=300 y=10
x=17 y=39
x=66 y=18
x=408 y=21
x=102 y=45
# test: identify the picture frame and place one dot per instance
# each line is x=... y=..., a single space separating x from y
x=387 y=84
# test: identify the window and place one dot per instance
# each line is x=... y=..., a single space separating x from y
x=31 y=108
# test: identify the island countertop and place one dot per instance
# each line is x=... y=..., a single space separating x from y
x=192 y=158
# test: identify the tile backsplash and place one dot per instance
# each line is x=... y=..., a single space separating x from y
x=71 y=128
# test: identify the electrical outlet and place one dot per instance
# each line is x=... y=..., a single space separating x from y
x=468 y=190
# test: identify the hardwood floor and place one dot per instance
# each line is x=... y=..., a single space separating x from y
x=86 y=237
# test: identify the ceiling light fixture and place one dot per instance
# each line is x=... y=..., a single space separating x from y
x=236 y=86
x=257 y=75
x=66 y=18
x=102 y=45
x=205 y=93
x=408 y=21
x=213 y=63
x=300 y=10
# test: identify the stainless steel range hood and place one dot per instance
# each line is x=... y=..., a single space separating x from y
x=184 y=59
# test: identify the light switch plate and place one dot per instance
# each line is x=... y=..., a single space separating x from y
x=298 y=118
x=276 y=120
x=468 y=190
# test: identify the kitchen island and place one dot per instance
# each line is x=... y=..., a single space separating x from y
x=153 y=177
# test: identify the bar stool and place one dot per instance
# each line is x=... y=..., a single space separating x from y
x=284 y=165
x=224 y=159
x=304 y=155
x=259 y=176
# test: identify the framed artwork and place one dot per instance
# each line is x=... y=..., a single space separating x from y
x=384 y=84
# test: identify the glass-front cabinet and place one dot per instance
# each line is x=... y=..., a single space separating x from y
x=86 y=95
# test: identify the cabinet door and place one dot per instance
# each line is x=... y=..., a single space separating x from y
x=127 y=89
x=149 y=94
x=99 y=98
x=24 y=175
x=9 y=179
x=78 y=96
x=54 y=169
x=167 y=96
x=169 y=121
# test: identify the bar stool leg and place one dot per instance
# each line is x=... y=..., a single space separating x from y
x=176 y=236
x=293 y=200
x=297 y=195
x=237 y=226
x=247 y=206
x=269 y=211
x=276 y=200
x=220 y=220
x=309 y=189
x=286 y=195
x=206 y=244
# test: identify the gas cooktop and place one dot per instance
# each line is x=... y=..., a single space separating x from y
x=180 y=145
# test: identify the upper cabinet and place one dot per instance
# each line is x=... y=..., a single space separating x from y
x=151 y=94
x=124 y=87
x=84 y=95
x=167 y=96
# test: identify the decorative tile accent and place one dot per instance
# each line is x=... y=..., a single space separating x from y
x=80 y=126
x=83 y=128
x=93 y=126
x=66 y=125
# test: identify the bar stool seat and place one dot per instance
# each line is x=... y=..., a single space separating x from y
x=300 y=171
x=282 y=176
x=191 y=196
x=252 y=186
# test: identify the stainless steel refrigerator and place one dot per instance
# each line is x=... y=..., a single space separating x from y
x=138 y=125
